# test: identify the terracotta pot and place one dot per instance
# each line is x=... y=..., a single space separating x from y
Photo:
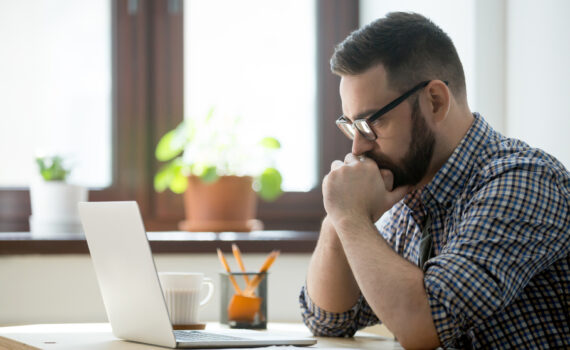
x=229 y=204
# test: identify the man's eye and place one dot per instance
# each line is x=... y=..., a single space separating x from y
x=377 y=122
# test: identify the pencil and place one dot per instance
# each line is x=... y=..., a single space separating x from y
x=257 y=279
x=237 y=255
x=227 y=268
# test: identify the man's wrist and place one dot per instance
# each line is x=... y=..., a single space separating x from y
x=351 y=223
x=328 y=236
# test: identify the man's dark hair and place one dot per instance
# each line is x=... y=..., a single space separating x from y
x=409 y=46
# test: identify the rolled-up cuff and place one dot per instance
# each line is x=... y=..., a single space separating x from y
x=326 y=323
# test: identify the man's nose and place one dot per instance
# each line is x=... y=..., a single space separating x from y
x=361 y=145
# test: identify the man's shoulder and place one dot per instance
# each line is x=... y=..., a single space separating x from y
x=508 y=157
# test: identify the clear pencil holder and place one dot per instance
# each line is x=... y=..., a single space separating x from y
x=248 y=309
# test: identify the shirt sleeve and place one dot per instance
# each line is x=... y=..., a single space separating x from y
x=512 y=228
x=331 y=324
x=325 y=323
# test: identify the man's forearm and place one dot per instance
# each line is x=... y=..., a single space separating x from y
x=330 y=282
x=392 y=286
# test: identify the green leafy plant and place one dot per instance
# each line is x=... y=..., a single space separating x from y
x=216 y=146
x=52 y=168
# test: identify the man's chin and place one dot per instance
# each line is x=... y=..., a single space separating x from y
x=399 y=179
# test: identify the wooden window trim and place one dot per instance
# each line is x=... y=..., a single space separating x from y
x=21 y=243
x=148 y=100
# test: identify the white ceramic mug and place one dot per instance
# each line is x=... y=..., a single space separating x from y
x=182 y=295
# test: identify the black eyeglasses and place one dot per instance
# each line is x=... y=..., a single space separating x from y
x=363 y=125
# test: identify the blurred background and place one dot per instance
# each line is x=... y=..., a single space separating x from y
x=101 y=81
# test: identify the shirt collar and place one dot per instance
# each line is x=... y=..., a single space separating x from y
x=451 y=178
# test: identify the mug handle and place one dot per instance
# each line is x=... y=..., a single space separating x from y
x=210 y=284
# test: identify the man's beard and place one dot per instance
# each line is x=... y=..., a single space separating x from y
x=414 y=165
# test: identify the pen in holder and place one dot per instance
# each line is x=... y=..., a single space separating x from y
x=248 y=307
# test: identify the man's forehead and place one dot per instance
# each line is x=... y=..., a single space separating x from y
x=363 y=92
x=375 y=75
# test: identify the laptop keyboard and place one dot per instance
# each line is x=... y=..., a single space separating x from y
x=201 y=336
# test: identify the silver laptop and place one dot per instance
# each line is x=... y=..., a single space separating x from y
x=131 y=290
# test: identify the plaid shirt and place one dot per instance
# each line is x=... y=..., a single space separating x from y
x=500 y=277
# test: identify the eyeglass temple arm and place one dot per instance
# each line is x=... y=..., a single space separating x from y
x=399 y=100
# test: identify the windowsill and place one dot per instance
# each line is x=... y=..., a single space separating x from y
x=17 y=243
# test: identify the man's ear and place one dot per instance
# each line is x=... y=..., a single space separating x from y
x=438 y=100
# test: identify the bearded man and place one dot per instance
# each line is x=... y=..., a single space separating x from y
x=438 y=226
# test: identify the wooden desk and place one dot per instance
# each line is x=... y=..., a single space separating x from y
x=98 y=336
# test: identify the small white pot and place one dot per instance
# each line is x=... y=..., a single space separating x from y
x=54 y=208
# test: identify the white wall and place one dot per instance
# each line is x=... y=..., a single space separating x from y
x=490 y=60
x=538 y=74
x=59 y=289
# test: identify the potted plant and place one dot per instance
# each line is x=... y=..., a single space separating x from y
x=219 y=166
x=53 y=200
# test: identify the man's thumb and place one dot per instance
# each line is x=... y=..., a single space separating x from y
x=388 y=178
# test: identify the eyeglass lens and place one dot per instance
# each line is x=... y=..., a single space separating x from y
x=347 y=129
x=350 y=129
x=365 y=130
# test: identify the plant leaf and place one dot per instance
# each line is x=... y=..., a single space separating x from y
x=166 y=149
x=209 y=114
x=209 y=174
x=270 y=143
x=52 y=168
x=270 y=184
x=163 y=178
x=179 y=183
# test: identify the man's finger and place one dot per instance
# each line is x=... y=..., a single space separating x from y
x=351 y=158
x=336 y=164
x=399 y=193
x=388 y=178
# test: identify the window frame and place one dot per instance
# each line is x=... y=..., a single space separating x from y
x=148 y=100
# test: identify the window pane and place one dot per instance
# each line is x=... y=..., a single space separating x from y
x=256 y=59
x=55 y=91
